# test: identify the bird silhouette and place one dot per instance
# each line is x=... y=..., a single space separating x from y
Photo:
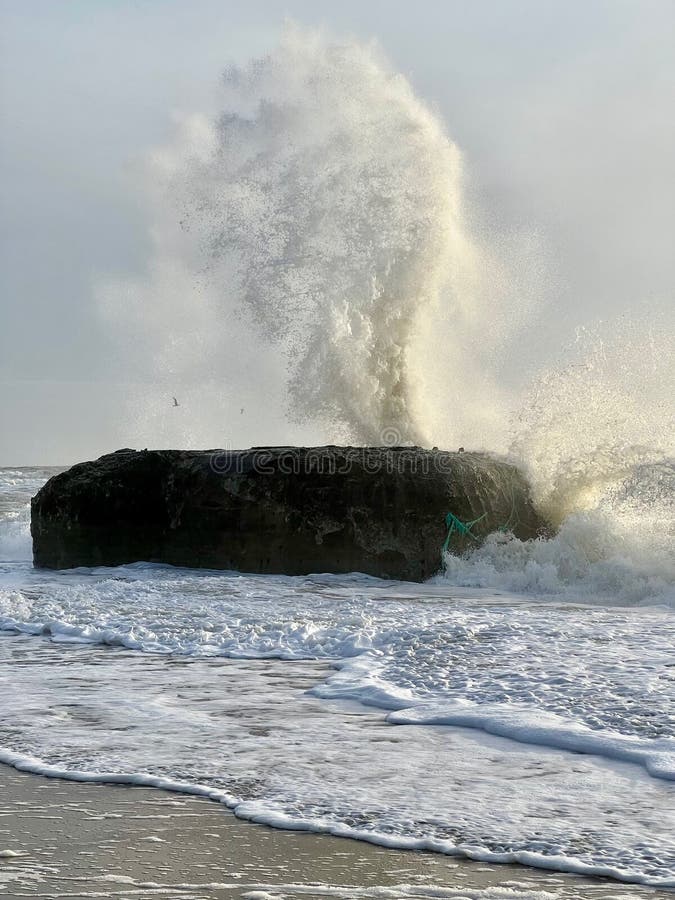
x=175 y=402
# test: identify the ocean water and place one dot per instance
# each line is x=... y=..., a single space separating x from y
x=498 y=725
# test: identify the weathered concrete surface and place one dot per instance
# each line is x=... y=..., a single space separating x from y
x=277 y=509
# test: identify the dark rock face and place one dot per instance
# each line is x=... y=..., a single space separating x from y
x=282 y=510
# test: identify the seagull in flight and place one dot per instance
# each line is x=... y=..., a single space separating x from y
x=175 y=402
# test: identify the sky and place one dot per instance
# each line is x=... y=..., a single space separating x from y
x=563 y=112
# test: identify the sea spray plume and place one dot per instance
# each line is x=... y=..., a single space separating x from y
x=597 y=440
x=334 y=196
x=589 y=426
x=325 y=206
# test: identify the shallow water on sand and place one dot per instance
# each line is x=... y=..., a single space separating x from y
x=92 y=840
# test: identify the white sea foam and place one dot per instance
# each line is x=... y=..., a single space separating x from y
x=15 y=541
x=16 y=488
x=351 y=891
x=536 y=726
x=592 y=558
x=248 y=735
x=604 y=675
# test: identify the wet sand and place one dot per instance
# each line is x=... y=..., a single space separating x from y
x=86 y=840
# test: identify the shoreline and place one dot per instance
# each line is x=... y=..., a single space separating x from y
x=75 y=839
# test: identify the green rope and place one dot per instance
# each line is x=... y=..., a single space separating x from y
x=456 y=525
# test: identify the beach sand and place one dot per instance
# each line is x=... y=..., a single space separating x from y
x=86 y=840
